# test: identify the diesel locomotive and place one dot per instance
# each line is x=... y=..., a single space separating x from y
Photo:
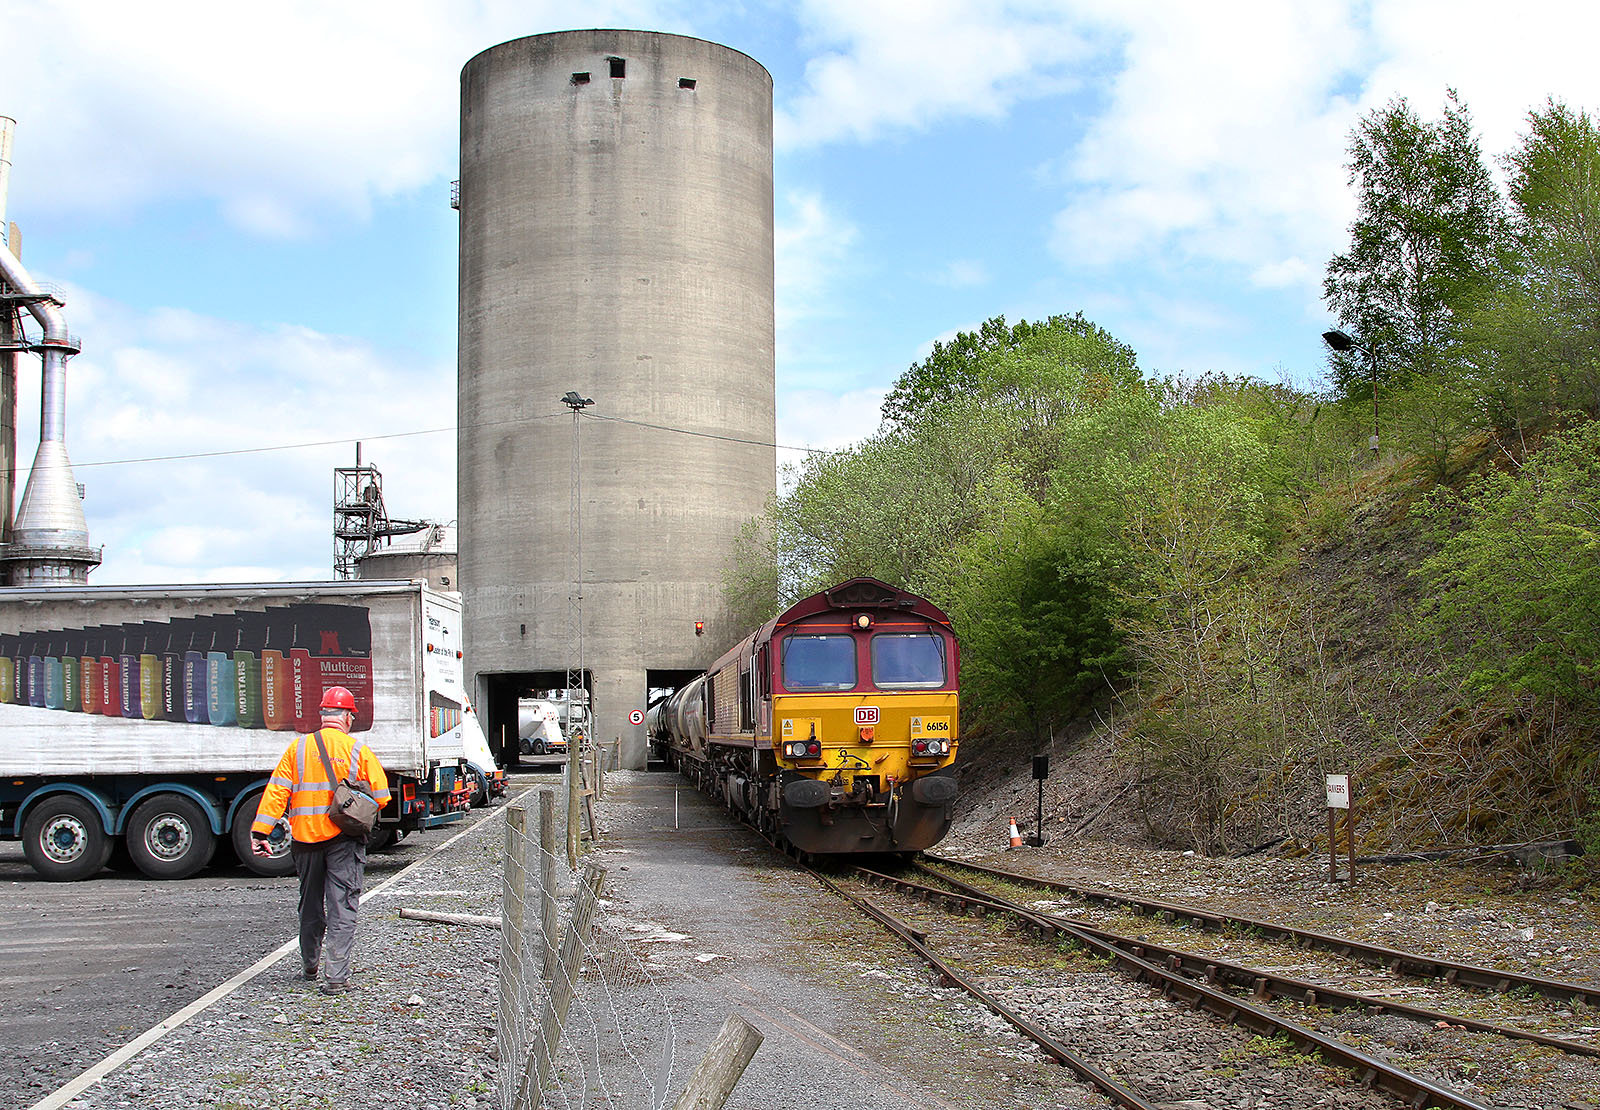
x=832 y=727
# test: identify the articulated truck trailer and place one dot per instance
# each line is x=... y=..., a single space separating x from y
x=150 y=717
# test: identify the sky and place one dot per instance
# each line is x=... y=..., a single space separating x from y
x=246 y=209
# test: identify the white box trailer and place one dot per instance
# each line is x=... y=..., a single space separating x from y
x=153 y=715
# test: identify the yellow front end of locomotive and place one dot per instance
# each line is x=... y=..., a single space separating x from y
x=893 y=738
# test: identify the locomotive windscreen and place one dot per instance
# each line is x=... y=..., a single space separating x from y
x=819 y=662
x=908 y=661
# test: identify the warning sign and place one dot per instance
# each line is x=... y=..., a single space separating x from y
x=1338 y=791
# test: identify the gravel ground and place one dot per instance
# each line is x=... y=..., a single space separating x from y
x=1506 y=917
x=698 y=921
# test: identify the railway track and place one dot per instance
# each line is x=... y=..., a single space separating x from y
x=1171 y=981
x=1393 y=960
x=1264 y=984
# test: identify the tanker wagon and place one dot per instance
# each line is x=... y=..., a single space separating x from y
x=150 y=717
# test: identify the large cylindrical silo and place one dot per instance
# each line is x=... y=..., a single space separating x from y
x=616 y=241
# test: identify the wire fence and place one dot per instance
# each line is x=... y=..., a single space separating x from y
x=581 y=1021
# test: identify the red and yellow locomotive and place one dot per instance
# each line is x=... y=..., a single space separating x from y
x=832 y=727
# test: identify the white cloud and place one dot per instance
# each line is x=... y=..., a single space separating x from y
x=811 y=245
x=1285 y=272
x=899 y=64
x=961 y=273
x=160 y=385
x=286 y=117
x=822 y=420
x=1222 y=136
x=1225 y=130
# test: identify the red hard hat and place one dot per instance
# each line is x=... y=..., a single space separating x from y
x=337 y=697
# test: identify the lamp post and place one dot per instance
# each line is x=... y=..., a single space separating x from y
x=1342 y=341
x=575 y=674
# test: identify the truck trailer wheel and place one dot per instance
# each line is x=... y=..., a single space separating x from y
x=480 y=787
x=63 y=839
x=169 y=837
x=281 y=862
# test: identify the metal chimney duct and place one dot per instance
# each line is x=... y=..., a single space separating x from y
x=10 y=333
x=49 y=538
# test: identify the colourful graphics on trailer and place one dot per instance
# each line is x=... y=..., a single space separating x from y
x=241 y=669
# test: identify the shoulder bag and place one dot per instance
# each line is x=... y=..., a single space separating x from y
x=353 y=808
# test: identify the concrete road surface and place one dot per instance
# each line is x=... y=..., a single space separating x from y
x=86 y=967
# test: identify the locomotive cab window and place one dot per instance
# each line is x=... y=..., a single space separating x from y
x=819 y=662
x=908 y=661
x=747 y=709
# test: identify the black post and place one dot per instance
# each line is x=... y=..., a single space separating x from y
x=1041 y=771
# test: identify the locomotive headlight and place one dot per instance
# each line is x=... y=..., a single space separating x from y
x=863 y=621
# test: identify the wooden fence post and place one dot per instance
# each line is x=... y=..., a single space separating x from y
x=719 y=1071
x=541 y=1058
x=511 y=926
x=547 y=880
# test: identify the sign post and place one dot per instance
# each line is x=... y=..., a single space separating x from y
x=1339 y=798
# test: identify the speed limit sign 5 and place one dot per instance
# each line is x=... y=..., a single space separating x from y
x=636 y=718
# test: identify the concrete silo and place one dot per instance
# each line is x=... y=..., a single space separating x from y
x=616 y=240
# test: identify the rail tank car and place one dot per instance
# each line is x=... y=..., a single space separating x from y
x=832 y=727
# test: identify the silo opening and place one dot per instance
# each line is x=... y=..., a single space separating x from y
x=660 y=685
x=580 y=78
x=619 y=67
x=686 y=82
x=518 y=709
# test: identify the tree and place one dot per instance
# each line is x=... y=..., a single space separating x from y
x=1555 y=185
x=1036 y=604
x=1532 y=351
x=1426 y=245
x=1012 y=363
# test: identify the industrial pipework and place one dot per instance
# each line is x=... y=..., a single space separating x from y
x=49 y=538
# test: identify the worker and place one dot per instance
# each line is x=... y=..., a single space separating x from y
x=328 y=861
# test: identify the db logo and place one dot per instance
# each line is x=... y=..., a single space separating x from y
x=866 y=714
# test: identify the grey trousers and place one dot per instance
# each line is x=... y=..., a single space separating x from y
x=330 y=893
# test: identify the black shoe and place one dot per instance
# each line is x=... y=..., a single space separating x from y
x=309 y=974
x=331 y=987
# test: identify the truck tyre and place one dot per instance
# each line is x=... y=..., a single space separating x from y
x=64 y=840
x=480 y=787
x=169 y=837
x=281 y=862
x=381 y=837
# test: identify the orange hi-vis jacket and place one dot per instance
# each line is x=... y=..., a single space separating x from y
x=304 y=787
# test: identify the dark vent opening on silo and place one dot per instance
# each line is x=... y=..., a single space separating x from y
x=580 y=78
x=619 y=67
x=686 y=82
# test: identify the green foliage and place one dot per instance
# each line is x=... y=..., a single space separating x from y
x=1555 y=185
x=893 y=504
x=1534 y=350
x=1198 y=482
x=1432 y=418
x=1515 y=584
x=1425 y=246
x=751 y=585
x=1021 y=365
x=1037 y=603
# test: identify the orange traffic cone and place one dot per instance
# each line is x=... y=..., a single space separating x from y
x=1016 y=837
